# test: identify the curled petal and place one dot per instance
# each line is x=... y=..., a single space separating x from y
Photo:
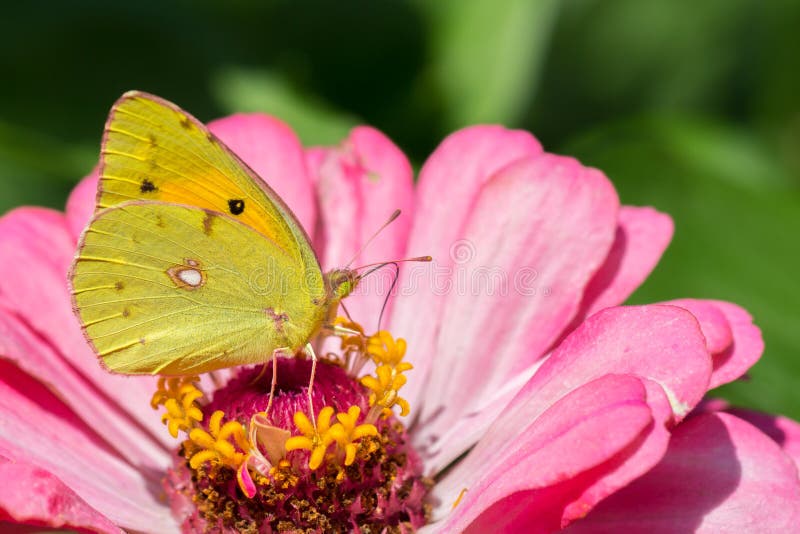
x=720 y=474
x=543 y=463
x=733 y=340
x=245 y=481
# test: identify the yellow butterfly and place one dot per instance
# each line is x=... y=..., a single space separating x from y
x=191 y=262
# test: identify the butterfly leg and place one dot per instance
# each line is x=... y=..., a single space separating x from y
x=339 y=330
x=275 y=354
x=354 y=358
x=310 y=351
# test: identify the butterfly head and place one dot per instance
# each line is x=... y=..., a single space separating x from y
x=341 y=282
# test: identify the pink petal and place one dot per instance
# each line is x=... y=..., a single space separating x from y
x=81 y=203
x=449 y=184
x=38 y=359
x=245 y=481
x=639 y=459
x=537 y=233
x=38 y=429
x=642 y=236
x=273 y=150
x=37 y=249
x=712 y=321
x=662 y=344
x=784 y=431
x=720 y=474
x=569 y=438
x=33 y=496
x=359 y=184
x=733 y=340
x=747 y=347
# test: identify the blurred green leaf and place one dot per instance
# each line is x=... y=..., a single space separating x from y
x=243 y=90
x=618 y=58
x=776 y=78
x=38 y=169
x=487 y=55
x=729 y=153
x=734 y=240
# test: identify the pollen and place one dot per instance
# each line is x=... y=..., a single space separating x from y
x=179 y=397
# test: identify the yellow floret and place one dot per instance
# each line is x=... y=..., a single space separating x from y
x=178 y=396
x=316 y=440
x=384 y=349
x=215 y=445
x=346 y=433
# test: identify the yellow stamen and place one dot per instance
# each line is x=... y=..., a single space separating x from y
x=316 y=440
x=215 y=445
x=346 y=433
x=178 y=396
x=351 y=342
x=384 y=349
x=458 y=499
x=384 y=387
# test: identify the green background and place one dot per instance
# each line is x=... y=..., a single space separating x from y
x=688 y=106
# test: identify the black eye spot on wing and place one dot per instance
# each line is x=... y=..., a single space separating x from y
x=236 y=206
x=147 y=186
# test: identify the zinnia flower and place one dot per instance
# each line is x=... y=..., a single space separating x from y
x=535 y=404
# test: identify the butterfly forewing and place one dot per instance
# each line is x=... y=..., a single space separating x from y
x=153 y=150
x=175 y=289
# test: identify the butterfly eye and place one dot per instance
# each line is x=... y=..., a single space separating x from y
x=342 y=282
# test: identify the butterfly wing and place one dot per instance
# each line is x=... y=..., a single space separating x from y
x=172 y=289
x=153 y=150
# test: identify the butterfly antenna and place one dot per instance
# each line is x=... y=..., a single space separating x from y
x=389 y=221
x=376 y=266
x=391 y=288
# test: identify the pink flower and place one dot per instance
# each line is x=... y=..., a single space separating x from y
x=576 y=414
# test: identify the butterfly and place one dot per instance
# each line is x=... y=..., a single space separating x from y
x=191 y=262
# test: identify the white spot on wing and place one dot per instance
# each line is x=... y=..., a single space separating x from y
x=191 y=277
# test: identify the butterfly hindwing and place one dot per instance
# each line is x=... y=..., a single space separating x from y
x=175 y=289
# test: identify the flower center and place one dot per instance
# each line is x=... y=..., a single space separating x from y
x=346 y=467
